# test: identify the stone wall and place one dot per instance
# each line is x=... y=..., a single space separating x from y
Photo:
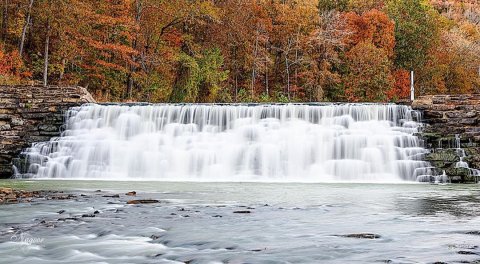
x=452 y=133
x=31 y=114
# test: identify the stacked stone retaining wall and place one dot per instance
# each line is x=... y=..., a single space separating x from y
x=31 y=114
x=452 y=130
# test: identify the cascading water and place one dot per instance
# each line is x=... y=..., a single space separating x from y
x=271 y=142
x=462 y=155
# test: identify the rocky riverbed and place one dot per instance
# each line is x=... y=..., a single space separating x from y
x=164 y=222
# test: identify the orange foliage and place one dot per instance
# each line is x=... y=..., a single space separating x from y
x=369 y=75
x=132 y=49
x=401 y=88
x=373 y=26
x=11 y=66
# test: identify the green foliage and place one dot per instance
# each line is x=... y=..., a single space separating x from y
x=187 y=87
x=415 y=31
x=154 y=87
x=201 y=77
x=244 y=96
x=329 y=5
x=211 y=74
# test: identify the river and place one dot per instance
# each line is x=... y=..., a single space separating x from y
x=242 y=223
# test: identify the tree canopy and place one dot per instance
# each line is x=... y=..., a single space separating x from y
x=243 y=50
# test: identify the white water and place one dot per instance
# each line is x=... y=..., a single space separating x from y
x=292 y=142
x=462 y=155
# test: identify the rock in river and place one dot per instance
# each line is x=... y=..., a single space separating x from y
x=362 y=235
x=144 y=201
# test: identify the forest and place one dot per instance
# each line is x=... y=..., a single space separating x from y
x=243 y=50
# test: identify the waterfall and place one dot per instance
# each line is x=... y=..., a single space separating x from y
x=234 y=142
x=462 y=155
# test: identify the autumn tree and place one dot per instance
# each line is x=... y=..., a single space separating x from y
x=369 y=73
x=243 y=50
x=373 y=26
x=12 y=69
x=323 y=49
x=415 y=32
x=292 y=23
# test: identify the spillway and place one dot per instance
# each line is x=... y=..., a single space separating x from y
x=235 y=142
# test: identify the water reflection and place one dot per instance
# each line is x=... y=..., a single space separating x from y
x=459 y=206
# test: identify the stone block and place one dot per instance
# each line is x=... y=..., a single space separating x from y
x=31 y=114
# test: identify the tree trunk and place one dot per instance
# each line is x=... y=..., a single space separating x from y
x=236 y=86
x=62 y=72
x=287 y=67
x=138 y=15
x=266 y=69
x=25 y=27
x=5 y=19
x=266 y=77
x=45 y=62
x=255 y=52
x=296 y=61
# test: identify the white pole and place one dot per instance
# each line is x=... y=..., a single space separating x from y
x=412 y=88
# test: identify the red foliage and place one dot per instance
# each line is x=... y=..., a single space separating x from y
x=11 y=64
x=373 y=26
x=401 y=88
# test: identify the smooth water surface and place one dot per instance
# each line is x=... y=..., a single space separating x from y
x=287 y=223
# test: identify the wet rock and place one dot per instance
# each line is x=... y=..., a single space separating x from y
x=88 y=215
x=446 y=155
x=11 y=200
x=446 y=116
x=9 y=195
x=103 y=233
x=476 y=233
x=6 y=191
x=242 y=212
x=143 y=201
x=362 y=236
x=96 y=212
x=111 y=196
x=67 y=219
x=61 y=197
x=132 y=193
x=465 y=252
x=463 y=246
